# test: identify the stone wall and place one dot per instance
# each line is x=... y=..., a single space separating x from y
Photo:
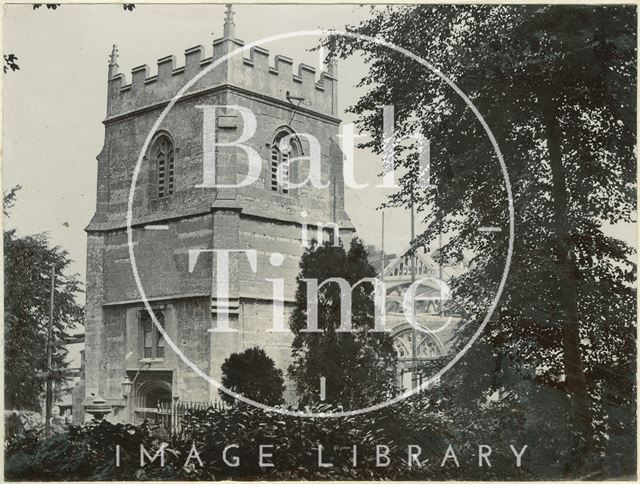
x=125 y=138
x=248 y=68
x=248 y=218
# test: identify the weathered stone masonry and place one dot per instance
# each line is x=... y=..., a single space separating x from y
x=253 y=217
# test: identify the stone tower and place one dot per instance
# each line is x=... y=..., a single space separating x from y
x=173 y=215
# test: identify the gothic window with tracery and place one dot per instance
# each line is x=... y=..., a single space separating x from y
x=426 y=347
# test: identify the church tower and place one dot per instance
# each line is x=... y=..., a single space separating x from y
x=173 y=215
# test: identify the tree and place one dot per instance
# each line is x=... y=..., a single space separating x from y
x=555 y=84
x=359 y=367
x=27 y=277
x=10 y=62
x=254 y=375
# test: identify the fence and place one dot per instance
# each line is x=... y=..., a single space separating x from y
x=166 y=418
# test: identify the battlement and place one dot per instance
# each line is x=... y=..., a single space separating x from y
x=255 y=72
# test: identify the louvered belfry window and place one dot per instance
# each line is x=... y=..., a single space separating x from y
x=163 y=154
x=280 y=158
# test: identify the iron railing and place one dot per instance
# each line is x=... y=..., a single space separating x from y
x=166 y=418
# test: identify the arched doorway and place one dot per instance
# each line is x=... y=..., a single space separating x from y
x=152 y=401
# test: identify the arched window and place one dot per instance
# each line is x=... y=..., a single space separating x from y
x=427 y=346
x=152 y=341
x=162 y=154
x=284 y=147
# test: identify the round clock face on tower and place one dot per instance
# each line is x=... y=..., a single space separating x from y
x=232 y=184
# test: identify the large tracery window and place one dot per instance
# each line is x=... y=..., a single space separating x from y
x=412 y=357
x=426 y=345
x=162 y=153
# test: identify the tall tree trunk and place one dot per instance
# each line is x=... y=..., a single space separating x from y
x=568 y=273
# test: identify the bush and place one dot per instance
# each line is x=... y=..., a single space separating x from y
x=88 y=453
x=296 y=440
x=455 y=413
x=254 y=375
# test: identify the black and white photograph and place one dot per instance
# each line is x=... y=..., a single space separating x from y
x=320 y=241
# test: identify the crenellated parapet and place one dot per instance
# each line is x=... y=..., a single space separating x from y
x=253 y=70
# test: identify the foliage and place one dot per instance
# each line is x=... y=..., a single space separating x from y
x=21 y=421
x=555 y=84
x=429 y=421
x=296 y=442
x=9 y=199
x=254 y=375
x=10 y=62
x=458 y=413
x=27 y=275
x=88 y=453
x=359 y=366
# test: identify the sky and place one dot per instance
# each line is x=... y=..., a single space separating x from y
x=55 y=103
